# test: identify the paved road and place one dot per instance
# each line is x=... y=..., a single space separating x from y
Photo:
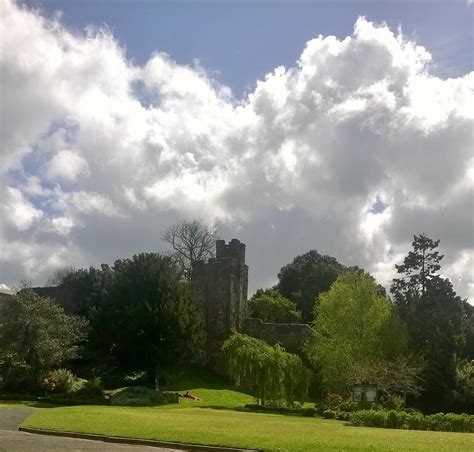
x=13 y=440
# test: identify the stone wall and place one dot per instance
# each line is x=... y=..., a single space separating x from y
x=221 y=285
x=290 y=335
x=63 y=296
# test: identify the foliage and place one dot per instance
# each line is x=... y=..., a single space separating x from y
x=59 y=275
x=394 y=402
x=142 y=396
x=333 y=400
x=35 y=337
x=401 y=375
x=149 y=319
x=190 y=241
x=270 y=408
x=269 y=372
x=270 y=306
x=432 y=312
x=465 y=382
x=88 y=288
x=355 y=329
x=58 y=380
x=468 y=330
x=90 y=389
x=441 y=422
x=309 y=275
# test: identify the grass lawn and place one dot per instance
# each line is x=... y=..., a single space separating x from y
x=232 y=428
x=215 y=421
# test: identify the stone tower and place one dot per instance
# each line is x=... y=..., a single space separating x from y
x=220 y=286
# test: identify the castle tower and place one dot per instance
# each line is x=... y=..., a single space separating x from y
x=220 y=286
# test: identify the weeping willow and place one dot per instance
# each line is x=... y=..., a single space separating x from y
x=268 y=372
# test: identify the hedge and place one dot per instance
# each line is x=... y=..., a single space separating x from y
x=442 y=422
x=142 y=396
x=308 y=412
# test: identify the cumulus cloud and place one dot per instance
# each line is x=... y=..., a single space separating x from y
x=350 y=151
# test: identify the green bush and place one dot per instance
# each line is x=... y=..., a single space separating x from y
x=59 y=381
x=333 y=401
x=89 y=388
x=348 y=406
x=394 y=402
x=307 y=412
x=142 y=396
x=329 y=414
x=442 y=422
x=342 y=415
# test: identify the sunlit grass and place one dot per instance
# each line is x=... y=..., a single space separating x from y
x=239 y=429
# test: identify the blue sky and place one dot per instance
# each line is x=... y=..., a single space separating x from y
x=241 y=41
x=363 y=138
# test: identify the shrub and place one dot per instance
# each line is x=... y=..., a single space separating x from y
x=142 y=396
x=414 y=421
x=342 y=415
x=348 y=406
x=394 y=402
x=90 y=388
x=333 y=401
x=60 y=381
x=307 y=412
x=329 y=414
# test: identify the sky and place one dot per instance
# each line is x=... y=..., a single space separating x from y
x=342 y=126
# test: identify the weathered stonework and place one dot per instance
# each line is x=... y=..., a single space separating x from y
x=291 y=336
x=221 y=285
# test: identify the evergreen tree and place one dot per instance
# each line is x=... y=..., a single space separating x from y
x=432 y=312
x=149 y=320
x=306 y=277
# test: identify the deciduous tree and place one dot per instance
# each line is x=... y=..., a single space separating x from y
x=35 y=336
x=269 y=372
x=270 y=306
x=190 y=241
x=355 y=328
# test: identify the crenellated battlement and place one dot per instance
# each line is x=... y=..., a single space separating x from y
x=235 y=249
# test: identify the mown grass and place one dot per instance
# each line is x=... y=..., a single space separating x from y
x=5 y=404
x=214 y=420
x=232 y=428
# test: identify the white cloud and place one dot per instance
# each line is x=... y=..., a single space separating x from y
x=67 y=165
x=17 y=211
x=99 y=154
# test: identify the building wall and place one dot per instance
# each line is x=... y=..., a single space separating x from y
x=220 y=286
x=291 y=336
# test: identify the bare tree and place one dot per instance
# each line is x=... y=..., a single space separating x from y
x=59 y=275
x=191 y=241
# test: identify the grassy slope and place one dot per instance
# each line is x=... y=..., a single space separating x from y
x=212 y=421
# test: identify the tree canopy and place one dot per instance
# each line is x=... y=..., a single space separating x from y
x=269 y=372
x=35 y=336
x=306 y=277
x=150 y=319
x=355 y=328
x=432 y=312
x=271 y=306
x=190 y=241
